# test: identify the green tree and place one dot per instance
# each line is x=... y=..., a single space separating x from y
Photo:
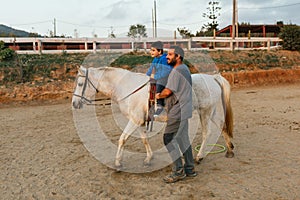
x=137 y=31
x=212 y=13
x=290 y=34
x=245 y=24
x=184 y=32
x=33 y=34
x=111 y=34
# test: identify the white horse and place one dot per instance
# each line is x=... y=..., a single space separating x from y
x=115 y=83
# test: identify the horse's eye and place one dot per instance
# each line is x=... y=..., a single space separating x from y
x=80 y=84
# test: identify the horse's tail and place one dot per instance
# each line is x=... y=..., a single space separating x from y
x=225 y=86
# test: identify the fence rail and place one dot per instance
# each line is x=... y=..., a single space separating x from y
x=93 y=45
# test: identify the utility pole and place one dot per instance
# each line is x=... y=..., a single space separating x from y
x=233 y=19
x=236 y=19
x=153 y=25
x=54 y=28
x=234 y=24
x=75 y=33
x=155 y=20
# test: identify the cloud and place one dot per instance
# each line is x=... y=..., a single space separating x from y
x=99 y=16
x=267 y=12
x=129 y=12
x=118 y=11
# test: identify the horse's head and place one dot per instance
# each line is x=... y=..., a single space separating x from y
x=84 y=88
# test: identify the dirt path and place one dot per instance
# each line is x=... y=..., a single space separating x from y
x=42 y=157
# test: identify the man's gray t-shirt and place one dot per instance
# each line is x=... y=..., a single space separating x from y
x=179 y=104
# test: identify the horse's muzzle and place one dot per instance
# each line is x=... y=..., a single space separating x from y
x=77 y=104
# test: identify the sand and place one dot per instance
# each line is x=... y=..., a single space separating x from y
x=42 y=157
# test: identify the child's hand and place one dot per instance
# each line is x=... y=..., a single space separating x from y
x=152 y=80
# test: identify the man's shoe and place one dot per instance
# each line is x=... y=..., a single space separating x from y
x=190 y=173
x=175 y=176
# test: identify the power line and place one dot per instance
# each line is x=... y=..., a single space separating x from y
x=32 y=23
x=92 y=26
x=270 y=7
x=82 y=25
x=193 y=23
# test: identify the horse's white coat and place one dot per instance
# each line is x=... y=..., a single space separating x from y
x=119 y=83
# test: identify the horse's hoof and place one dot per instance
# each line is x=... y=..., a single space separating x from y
x=229 y=154
x=118 y=168
x=147 y=161
x=198 y=160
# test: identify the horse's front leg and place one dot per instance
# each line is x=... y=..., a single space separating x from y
x=147 y=146
x=119 y=154
x=129 y=129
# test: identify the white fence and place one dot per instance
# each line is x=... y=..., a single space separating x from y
x=81 y=45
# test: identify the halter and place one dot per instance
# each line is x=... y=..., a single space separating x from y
x=86 y=82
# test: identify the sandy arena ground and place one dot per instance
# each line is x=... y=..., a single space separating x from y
x=42 y=157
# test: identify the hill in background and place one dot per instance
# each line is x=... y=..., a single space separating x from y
x=6 y=31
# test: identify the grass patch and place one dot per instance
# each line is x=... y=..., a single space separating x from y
x=131 y=60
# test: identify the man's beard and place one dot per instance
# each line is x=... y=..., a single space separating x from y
x=172 y=62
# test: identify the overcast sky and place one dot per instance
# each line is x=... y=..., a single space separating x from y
x=99 y=17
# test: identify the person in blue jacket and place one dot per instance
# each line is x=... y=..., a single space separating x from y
x=159 y=71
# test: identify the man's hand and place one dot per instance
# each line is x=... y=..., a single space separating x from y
x=164 y=94
x=157 y=95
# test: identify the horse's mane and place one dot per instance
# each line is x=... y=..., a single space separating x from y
x=107 y=68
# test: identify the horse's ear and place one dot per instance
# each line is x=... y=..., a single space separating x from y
x=82 y=70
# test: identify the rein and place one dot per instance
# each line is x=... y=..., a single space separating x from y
x=134 y=91
x=90 y=102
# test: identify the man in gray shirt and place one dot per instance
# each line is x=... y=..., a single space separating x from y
x=178 y=94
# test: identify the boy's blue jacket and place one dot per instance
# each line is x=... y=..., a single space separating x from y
x=162 y=69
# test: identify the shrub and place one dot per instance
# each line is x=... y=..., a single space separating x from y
x=290 y=34
x=5 y=53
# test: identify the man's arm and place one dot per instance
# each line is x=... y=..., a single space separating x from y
x=164 y=94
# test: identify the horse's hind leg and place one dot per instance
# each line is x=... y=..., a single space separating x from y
x=201 y=154
x=205 y=128
x=229 y=145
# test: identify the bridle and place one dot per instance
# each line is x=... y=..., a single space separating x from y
x=86 y=82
